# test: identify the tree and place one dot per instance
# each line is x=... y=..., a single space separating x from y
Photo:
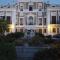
x=7 y=49
x=3 y=26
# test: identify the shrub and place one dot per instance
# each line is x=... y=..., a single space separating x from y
x=19 y=34
x=36 y=40
x=39 y=34
x=7 y=49
x=48 y=54
x=39 y=39
x=16 y=35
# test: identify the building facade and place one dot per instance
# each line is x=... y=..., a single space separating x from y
x=32 y=16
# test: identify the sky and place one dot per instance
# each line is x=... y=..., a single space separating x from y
x=14 y=1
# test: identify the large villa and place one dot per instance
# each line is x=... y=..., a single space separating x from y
x=32 y=16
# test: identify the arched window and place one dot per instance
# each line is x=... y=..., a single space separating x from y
x=30 y=20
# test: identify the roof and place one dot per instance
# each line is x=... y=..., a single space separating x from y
x=29 y=1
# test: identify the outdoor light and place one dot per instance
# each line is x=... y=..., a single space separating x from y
x=11 y=27
x=49 y=28
x=52 y=26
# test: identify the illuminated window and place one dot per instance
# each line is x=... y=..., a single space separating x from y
x=8 y=30
x=40 y=30
x=45 y=31
x=54 y=30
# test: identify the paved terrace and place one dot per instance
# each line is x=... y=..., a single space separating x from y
x=27 y=53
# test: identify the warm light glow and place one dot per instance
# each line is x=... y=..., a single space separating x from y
x=11 y=27
x=51 y=26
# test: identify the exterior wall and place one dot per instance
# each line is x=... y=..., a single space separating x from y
x=40 y=11
x=35 y=13
x=29 y=0
x=53 y=12
x=12 y=13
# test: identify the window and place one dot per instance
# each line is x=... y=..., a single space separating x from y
x=21 y=30
x=28 y=32
x=40 y=31
x=54 y=30
x=44 y=22
x=40 y=21
x=30 y=20
x=43 y=13
x=7 y=29
x=21 y=8
x=40 y=9
x=59 y=20
x=16 y=30
x=58 y=30
x=21 y=21
x=53 y=20
x=2 y=17
x=9 y=20
x=39 y=5
x=45 y=31
x=26 y=5
x=30 y=8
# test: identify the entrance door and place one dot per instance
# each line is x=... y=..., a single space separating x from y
x=30 y=33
